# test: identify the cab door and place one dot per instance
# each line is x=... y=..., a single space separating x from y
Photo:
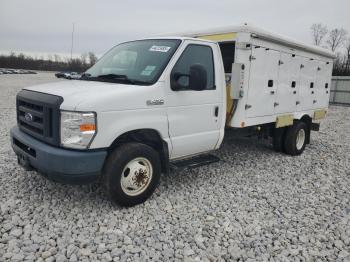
x=194 y=117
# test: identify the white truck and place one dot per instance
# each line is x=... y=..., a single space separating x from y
x=154 y=103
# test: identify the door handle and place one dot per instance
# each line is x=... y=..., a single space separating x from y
x=216 y=111
x=272 y=92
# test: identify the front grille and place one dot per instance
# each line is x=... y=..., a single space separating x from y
x=38 y=115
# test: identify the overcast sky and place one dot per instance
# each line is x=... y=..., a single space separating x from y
x=44 y=26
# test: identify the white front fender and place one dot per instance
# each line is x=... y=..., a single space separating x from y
x=111 y=125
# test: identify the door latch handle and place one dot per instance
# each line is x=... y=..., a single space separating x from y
x=155 y=102
x=216 y=111
x=272 y=92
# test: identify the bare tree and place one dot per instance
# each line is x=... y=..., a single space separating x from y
x=336 y=38
x=57 y=58
x=84 y=57
x=347 y=56
x=92 y=58
x=318 y=32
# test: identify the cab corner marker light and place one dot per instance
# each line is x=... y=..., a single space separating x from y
x=242 y=124
x=87 y=127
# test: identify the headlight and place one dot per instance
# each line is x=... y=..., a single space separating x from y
x=77 y=129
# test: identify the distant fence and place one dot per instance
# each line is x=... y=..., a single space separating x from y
x=340 y=90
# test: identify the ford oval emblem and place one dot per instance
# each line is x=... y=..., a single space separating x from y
x=28 y=117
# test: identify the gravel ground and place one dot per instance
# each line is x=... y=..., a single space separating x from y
x=254 y=205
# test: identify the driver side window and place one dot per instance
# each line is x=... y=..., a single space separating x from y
x=195 y=55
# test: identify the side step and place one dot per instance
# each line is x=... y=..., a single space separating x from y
x=194 y=162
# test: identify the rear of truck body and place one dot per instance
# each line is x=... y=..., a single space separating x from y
x=270 y=78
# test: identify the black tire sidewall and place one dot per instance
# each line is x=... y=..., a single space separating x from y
x=115 y=165
x=291 y=137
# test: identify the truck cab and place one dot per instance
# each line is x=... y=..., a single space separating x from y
x=150 y=103
x=155 y=99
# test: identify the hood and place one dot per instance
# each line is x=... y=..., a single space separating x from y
x=96 y=96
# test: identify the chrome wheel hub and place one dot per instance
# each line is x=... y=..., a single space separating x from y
x=136 y=176
x=300 y=139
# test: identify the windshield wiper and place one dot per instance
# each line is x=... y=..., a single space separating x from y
x=123 y=78
x=117 y=77
x=113 y=77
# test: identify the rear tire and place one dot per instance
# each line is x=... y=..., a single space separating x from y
x=295 y=139
x=131 y=173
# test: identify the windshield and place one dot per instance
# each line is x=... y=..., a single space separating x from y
x=137 y=62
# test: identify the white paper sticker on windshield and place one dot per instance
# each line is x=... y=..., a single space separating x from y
x=146 y=73
x=148 y=70
x=158 y=48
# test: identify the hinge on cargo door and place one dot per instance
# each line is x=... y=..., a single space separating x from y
x=280 y=62
x=247 y=106
x=276 y=104
x=251 y=58
x=297 y=102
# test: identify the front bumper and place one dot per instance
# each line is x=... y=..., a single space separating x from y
x=61 y=165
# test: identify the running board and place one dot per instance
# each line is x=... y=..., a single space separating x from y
x=194 y=162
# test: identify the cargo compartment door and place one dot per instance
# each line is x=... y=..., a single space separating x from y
x=288 y=84
x=263 y=82
x=307 y=96
x=323 y=84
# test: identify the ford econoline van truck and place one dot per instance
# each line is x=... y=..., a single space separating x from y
x=151 y=104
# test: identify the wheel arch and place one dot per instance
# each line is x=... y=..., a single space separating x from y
x=147 y=136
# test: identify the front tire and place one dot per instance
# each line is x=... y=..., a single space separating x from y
x=296 y=138
x=131 y=173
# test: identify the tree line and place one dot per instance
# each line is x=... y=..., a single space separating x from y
x=53 y=63
x=337 y=41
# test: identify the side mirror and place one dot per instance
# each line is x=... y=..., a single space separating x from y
x=195 y=80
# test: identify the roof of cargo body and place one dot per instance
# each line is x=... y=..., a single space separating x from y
x=264 y=35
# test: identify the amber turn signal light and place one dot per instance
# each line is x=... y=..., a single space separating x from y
x=87 y=127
